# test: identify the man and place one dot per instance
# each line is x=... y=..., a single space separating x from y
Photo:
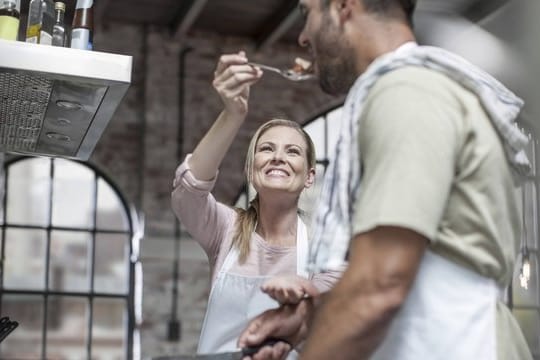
x=421 y=185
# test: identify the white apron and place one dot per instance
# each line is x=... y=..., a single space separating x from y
x=449 y=314
x=235 y=299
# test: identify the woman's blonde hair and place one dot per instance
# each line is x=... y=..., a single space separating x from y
x=247 y=219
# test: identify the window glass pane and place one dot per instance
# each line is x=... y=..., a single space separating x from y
x=108 y=331
x=530 y=213
x=334 y=126
x=251 y=192
x=309 y=198
x=530 y=150
x=315 y=129
x=73 y=195
x=70 y=259
x=24 y=263
x=25 y=341
x=28 y=192
x=111 y=273
x=2 y=256
x=529 y=320
x=242 y=200
x=529 y=296
x=110 y=211
x=67 y=328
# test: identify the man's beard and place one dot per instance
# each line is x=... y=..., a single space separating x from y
x=334 y=79
x=335 y=60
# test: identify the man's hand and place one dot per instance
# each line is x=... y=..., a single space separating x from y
x=288 y=322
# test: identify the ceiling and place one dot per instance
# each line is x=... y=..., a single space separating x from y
x=262 y=21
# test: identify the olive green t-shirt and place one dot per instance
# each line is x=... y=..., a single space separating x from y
x=433 y=163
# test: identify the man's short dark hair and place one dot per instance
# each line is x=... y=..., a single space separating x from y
x=385 y=7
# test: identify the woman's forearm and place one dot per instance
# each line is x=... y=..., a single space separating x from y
x=210 y=151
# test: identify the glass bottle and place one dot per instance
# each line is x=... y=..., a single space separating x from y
x=9 y=19
x=59 y=29
x=40 y=22
x=33 y=26
x=83 y=25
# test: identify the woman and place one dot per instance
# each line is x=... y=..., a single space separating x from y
x=247 y=247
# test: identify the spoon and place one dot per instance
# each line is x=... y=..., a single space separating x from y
x=287 y=74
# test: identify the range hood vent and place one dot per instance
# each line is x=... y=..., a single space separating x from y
x=57 y=101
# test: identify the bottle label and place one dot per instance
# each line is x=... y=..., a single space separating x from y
x=32 y=33
x=45 y=38
x=59 y=36
x=80 y=39
x=9 y=27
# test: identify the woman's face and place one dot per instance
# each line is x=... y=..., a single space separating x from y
x=280 y=162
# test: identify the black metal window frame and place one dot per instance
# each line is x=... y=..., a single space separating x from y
x=90 y=295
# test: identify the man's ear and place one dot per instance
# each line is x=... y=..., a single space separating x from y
x=344 y=8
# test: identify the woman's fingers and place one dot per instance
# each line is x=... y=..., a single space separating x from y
x=236 y=75
x=233 y=86
x=295 y=295
x=233 y=69
x=284 y=295
x=227 y=60
x=232 y=80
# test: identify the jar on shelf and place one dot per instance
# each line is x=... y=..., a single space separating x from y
x=59 y=29
x=82 y=28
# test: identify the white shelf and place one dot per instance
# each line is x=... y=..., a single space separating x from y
x=57 y=101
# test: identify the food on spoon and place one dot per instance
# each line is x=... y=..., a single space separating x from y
x=302 y=66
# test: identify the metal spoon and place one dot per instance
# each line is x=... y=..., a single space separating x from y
x=287 y=74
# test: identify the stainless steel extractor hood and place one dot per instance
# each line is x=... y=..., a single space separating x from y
x=57 y=101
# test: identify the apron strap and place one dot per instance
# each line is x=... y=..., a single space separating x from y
x=230 y=259
x=302 y=249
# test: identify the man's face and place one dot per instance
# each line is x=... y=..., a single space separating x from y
x=334 y=57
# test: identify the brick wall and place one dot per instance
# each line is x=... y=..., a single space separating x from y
x=167 y=110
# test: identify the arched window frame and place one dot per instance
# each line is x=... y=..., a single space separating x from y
x=133 y=232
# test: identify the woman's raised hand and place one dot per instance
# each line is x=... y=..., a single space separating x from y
x=289 y=289
x=232 y=79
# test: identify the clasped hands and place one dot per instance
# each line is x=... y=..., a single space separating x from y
x=289 y=322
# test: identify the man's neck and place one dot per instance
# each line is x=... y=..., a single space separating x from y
x=384 y=38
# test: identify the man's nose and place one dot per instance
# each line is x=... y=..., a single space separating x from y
x=302 y=39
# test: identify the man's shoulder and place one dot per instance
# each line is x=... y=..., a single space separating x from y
x=415 y=76
x=414 y=81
